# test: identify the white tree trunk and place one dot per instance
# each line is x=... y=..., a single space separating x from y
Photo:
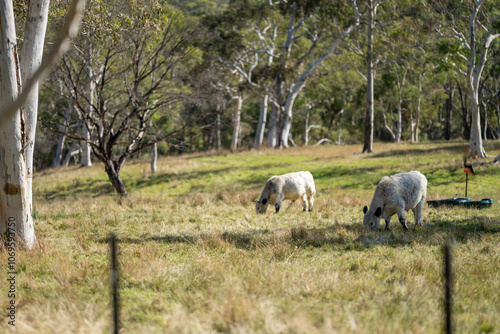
x=15 y=208
x=388 y=128
x=473 y=80
x=476 y=142
x=306 y=132
x=31 y=58
x=62 y=136
x=370 y=111
x=218 y=132
x=86 y=160
x=261 y=126
x=397 y=139
x=236 y=122
x=71 y=153
x=154 y=157
x=401 y=83
x=417 y=111
x=288 y=114
x=340 y=127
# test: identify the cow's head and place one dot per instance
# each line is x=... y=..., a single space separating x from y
x=371 y=220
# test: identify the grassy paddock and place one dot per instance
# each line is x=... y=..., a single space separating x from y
x=195 y=258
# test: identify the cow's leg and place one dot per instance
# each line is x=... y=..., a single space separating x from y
x=304 y=202
x=311 y=202
x=402 y=216
x=417 y=211
x=387 y=224
x=279 y=200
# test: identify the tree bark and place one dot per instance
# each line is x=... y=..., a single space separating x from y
x=288 y=114
x=368 y=143
x=306 y=132
x=272 y=127
x=31 y=58
x=71 y=153
x=85 y=159
x=417 y=110
x=113 y=174
x=218 y=132
x=485 y=137
x=465 y=112
x=388 y=128
x=448 y=109
x=15 y=210
x=236 y=121
x=474 y=71
x=62 y=137
x=261 y=126
x=154 y=157
x=401 y=84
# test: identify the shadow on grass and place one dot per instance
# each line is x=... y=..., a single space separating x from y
x=168 y=239
x=341 y=237
x=459 y=148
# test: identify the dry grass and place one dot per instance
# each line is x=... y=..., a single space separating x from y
x=194 y=257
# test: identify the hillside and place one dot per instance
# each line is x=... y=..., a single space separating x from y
x=195 y=258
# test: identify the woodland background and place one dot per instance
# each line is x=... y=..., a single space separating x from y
x=201 y=75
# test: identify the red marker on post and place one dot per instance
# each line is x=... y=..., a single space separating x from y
x=468 y=170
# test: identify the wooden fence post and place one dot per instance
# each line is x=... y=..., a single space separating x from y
x=448 y=286
x=114 y=284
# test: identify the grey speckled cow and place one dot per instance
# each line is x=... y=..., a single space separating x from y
x=396 y=194
x=292 y=186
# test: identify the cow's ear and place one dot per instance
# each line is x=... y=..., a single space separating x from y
x=365 y=209
x=257 y=201
x=378 y=212
x=264 y=201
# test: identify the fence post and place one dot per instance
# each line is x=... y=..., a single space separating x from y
x=448 y=286
x=114 y=284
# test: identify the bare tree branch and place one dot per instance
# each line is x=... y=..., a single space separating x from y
x=60 y=47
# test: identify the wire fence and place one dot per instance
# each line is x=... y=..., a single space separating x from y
x=447 y=285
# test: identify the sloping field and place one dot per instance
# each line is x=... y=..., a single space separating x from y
x=195 y=258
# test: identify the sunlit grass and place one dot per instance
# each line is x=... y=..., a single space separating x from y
x=195 y=258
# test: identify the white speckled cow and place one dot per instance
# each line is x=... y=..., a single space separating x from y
x=292 y=186
x=396 y=194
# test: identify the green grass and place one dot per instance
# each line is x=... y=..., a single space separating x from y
x=195 y=258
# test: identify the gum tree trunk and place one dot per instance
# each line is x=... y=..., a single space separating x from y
x=237 y=122
x=448 y=108
x=85 y=159
x=414 y=137
x=15 y=209
x=31 y=58
x=62 y=137
x=370 y=114
x=474 y=71
x=261 y=126
x=154 y=157
x=299 y=85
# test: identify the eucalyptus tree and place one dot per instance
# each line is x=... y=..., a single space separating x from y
x=371 y=52
x=238 y=44
x=468 y=30
x=323 y=26
x=16 y=93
